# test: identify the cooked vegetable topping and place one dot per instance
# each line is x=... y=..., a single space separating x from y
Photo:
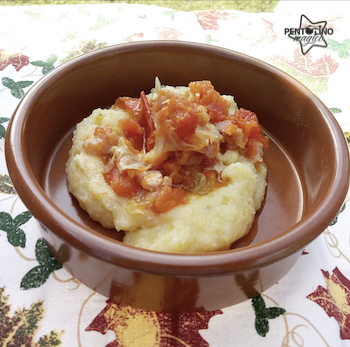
x=168 y=146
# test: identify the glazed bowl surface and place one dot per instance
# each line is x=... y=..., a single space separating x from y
x=307 y=163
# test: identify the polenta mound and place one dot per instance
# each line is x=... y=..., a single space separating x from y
x=178 y=170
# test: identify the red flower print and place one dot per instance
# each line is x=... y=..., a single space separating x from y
x=323 y=66
x=168 y=34
x=269 y=35
x=151 y=329
x=134 y=37
x=18 y=60
x=335 y=300
x=209 y=20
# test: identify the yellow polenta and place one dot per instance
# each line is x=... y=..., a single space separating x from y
x=207 y=222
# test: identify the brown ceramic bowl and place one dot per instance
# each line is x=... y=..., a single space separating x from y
x=307 y=174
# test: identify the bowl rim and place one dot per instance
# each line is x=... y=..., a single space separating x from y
x=86 y=239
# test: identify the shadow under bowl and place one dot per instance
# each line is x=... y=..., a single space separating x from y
x=307 y=161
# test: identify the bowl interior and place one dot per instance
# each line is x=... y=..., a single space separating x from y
x=305 y=158
x=287 y=213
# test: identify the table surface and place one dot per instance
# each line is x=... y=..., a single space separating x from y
x=43 y=305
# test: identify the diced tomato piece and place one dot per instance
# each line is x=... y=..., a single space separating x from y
x=168 y=197
x=122 y=184
x=142 y=112
x=254 y=151
x=181 y=116
x=248 y=115
x=217 y=112
x=249 y=123
x=132 y=131
x=186 y=124
x=132 y=104
x=200 y=88
x=206 y=95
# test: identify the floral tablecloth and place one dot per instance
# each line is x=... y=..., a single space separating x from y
x=42 y=305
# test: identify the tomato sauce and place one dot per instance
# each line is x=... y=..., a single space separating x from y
x=167 y=198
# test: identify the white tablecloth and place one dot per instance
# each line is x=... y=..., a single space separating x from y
x=42 y=305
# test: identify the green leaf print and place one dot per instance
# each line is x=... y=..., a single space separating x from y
x=16 y=87
x=22 y=218
x=47 y=65
x=15 y=236
x=209 y=39
x=102 y=22
x=34 y=278
x=341 y=47
x=335 y=220
x=45 y=257
x=2 y=128
x=263 y=314
x=171 y=14
x=20 y=328
x=335 y=110
x=37 y=276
